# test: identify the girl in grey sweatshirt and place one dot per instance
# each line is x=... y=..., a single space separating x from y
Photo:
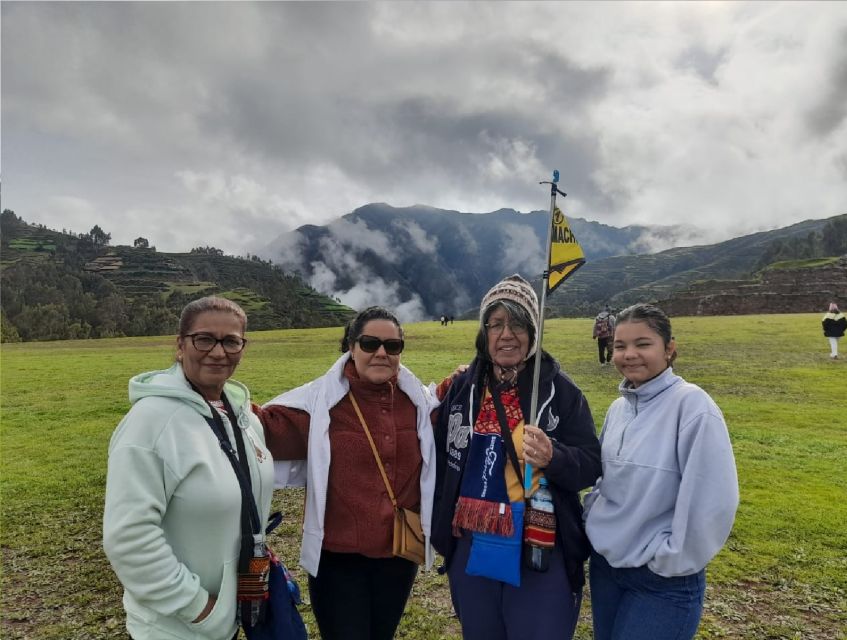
x=666 y=501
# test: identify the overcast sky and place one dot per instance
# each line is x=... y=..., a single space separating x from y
x=226 y=124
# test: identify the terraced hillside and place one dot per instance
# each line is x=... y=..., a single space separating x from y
x=623 y=280
x=784 y=287
x=58 y=286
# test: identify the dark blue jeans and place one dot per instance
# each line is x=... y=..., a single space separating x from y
x=542 y=608
x=637 y=604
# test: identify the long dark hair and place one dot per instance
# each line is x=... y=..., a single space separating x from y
x=653 y=317
x=354 y=328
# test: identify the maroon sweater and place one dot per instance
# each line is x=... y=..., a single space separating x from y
x=359 y=517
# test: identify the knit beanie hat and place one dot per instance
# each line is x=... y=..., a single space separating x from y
x=833 y=308
x=519 y=291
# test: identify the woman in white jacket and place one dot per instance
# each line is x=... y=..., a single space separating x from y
x=357 y=587
x=172 y=524
x=666 y=501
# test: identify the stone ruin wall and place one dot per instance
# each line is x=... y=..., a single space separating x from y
x=805 y=290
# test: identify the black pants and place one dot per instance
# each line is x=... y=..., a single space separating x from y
x=604 y=346
x=360 y=598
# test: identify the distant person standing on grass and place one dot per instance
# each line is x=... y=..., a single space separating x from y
x=172 y=521
x=834 y=324
x=666 y=501
x=604 y=329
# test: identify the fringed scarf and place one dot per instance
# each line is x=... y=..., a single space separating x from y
x=483 y=504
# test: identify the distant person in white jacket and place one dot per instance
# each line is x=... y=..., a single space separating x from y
x=172 y=522
x=834 y=324
x=667 y=498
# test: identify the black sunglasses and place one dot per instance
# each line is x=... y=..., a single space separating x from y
x=370 y=344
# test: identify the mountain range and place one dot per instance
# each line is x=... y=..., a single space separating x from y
x=419 y=261
x=424 y=262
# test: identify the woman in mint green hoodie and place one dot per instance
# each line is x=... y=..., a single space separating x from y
x=172 y=520
x=666 y=501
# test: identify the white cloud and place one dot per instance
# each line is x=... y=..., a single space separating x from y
x=381 y=293
x=523 y=250
x=420 y=240
x=70 y=213
x=230 y=123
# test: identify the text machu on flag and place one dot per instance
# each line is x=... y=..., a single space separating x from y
x=566 y=256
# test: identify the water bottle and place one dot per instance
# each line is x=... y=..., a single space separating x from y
x=540 y=531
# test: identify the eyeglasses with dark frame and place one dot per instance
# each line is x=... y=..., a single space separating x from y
x=371 y=344
x=497 y=328
x=205 y=342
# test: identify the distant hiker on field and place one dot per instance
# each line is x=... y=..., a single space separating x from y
x=834 y=324
x=604 y=331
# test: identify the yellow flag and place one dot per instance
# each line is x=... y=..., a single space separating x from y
x=566 y=256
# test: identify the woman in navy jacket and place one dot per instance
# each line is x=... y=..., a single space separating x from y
x=563 y=446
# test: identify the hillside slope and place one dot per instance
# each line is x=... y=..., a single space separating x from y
x=59 y=286
x=623 y=280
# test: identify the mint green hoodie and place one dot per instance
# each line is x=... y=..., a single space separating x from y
x=171 y=525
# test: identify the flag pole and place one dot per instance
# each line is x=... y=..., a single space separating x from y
x=545 y=278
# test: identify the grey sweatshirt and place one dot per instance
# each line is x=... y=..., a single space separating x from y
x=669 y=490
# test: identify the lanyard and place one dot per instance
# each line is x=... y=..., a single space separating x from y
x=250 y=523
x=505 y=432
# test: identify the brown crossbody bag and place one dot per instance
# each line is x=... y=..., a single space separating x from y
x=408 y=533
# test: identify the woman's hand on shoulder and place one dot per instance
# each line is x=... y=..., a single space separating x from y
x=460 y=370
x=444 y=386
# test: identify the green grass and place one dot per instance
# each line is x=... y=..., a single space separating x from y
x=782 y=575
x=32 y=244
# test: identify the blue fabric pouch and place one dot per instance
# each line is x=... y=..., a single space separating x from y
x=498 y=557
x=282 y=619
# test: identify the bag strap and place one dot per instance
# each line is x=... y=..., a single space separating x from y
x=250 y=523
x=373 y=448
x=505 y=432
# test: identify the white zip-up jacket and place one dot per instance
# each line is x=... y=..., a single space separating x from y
x=317 y=398
x=669 y=490
x=172 y=521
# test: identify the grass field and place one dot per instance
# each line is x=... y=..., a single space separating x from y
x=783 y=573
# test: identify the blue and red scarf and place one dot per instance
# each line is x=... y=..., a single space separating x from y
x=483 y=504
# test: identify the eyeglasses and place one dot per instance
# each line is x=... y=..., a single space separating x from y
x=498 y=328
x=205 y=342
x=371 y=344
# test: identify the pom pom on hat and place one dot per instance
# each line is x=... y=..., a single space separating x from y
x=519 y=291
